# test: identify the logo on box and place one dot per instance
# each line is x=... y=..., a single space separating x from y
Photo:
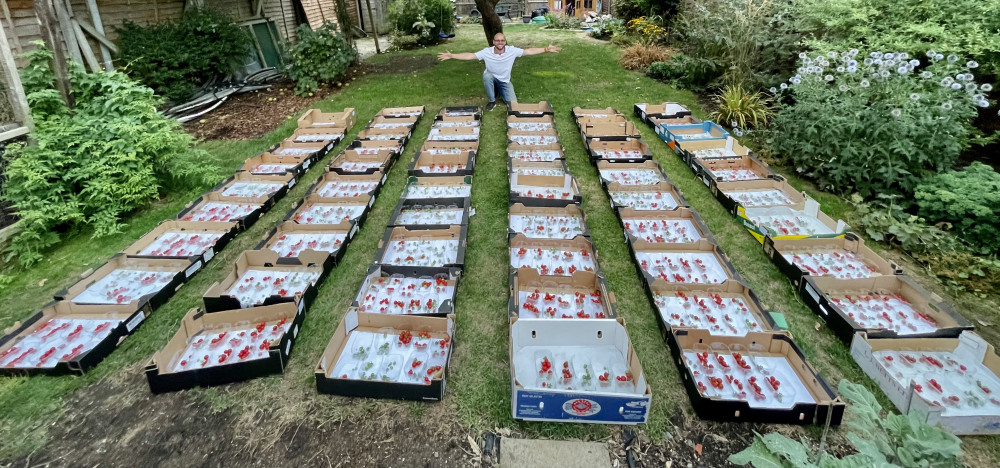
x=637 y=404
x=581 y=407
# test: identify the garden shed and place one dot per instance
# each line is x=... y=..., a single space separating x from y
x=87 y=31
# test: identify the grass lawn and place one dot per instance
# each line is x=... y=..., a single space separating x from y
x=584 y=74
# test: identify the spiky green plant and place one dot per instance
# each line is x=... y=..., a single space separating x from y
x=742 y=109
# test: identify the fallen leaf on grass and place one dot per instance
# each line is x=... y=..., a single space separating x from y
x=475 y=446
x=984 y=323
x=697 y=448
x=42 y=282
x=816 y=326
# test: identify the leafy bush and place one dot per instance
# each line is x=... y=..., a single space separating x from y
x=631 y=9
x=411 y=17
x=399 y=42
x=752 y=40
x=876 y=124
x=561 y=21
x=320 y=56
x=606 y=27
x=95 y=163
x=965 y=27
x=968 y=200
x=685 y=71
x=648 y=30
x=640 y=56
x=889 y=440
x=741 y=108
x=176 y=58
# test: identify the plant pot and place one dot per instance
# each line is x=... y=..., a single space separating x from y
x=526 y=19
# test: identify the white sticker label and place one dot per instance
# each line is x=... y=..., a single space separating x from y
x=302 y=305
x=354 y=230
x=705 y=180
x=139 y=317
x=193 y=269
x=291 y=183
x=307 y=164
x=370 y=202
x=823 y=310
x=288 y=347
x=383 y=177
x=812 y=293
x=209 y=254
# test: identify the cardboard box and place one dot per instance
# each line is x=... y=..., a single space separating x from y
x=539 y=190
x=533 y=138
x=609 y=119
x=443 y=165
x=452 y=212
x=778 y=250
x=460 y=111
x=453 y=134
x=686 y=120
x=451 y=147
x=521 y=109
x=314 y=150
x=706 y=130
x=694 y=228
x=819 y=293
x=277 y=240
x=351 y=162
x=147 y=245
x=374 y=290
x=317 y=118
x=558 y=255
x=610 y=131
x=580 y=296
x=124 y=320
x=465 y=121
x=328 y=136
x=438 y=328
x=281 y=184
x=968 y=349
x=440 y=189
x=628 y=150
x=729 y=193
x=760 y=221
x=310 y=262
x=272 y=164
x=374 y=146
x=579 y=112
x=175 y=272
x=728 y=147
x=352 y=209
x=402 y=135
x=163 y=375
x=730 y=290
x=606 y=170
x=330 y=183
x=523 y=168
x=540 y=153
x=576 y=337
x=521 y=217
x=760 y=345
x=519 y=123
x=716 y=262
x=411 y=111
x=737 y=169
x=666 y=110
x=244 y=211
x=664 y=195
x=382 y=121
x=455 y=235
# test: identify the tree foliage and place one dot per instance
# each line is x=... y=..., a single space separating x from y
x=968 y=200
x=319 y=57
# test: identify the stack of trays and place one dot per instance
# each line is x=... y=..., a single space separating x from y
x=395 y=340
x=571 y=359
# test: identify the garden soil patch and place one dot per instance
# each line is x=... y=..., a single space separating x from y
x=119 y=424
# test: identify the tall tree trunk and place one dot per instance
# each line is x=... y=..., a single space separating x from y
x=491 y=21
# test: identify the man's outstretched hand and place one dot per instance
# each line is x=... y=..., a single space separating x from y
x=553 y=48
x=444 y=56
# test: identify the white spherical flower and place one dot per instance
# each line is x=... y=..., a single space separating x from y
x=956 y=86
x=969 y=77
x=897 y=112
x=844 y=88
x=972 y=64
x=875 y=54
x=971 y=87
x=946 y=105
x=810 y=69
x=902 y=70
x=889 y=56
x=732 y=123
x=914 y=63
x=877 y=62
x=828 y=77
x=960 y=77
x=903 y=56
x=930 y=53
x=853 y=52
x=783 y=86
x=884 y=73
x=952 y=58
x=807 y=61
x=986 y=87
x=852 y=63
x=927 y=75
x=831 y=54
x=801 y=69
x=852 y=69
x=984 y=104
x=938 y=57
x=947 y=81
x=796 y=80
x=802 y=55
x=738 y=132
x=840 y=69
x=865 y=83
x=773 y=90
x=914 y=96
x=868 y=61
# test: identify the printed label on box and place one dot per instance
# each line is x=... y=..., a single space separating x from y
x=302 y=305
x=193 y=269
x=370 y=201
x=566 y=406
x=139 y=317
x=209 y=254
x=383 y=177
x=307 y=164
x=812 y=293
x=295 y=332
x=291 y=183
x=354 y=230
x=288 y=347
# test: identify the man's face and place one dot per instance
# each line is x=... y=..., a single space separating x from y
x=499 y=41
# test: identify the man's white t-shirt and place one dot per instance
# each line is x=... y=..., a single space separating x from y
x=499 y=65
